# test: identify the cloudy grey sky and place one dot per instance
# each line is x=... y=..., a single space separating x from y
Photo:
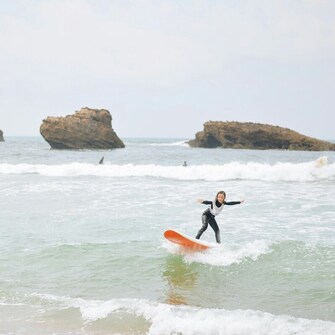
x=163 y=68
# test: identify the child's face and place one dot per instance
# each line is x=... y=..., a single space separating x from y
x=220 y=198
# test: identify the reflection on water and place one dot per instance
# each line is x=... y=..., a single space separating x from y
x=181 y=279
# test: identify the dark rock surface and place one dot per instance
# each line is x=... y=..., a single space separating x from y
x=247 y=135
x=86 y=129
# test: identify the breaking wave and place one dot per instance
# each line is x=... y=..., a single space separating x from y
x=159 y=318
x=316 y=170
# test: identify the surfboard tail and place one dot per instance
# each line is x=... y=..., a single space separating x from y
x=185 y=241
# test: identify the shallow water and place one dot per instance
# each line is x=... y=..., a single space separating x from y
x=82 y=248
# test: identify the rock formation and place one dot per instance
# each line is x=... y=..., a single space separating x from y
x=86 y=129
x=239 y=135
x=1 y=136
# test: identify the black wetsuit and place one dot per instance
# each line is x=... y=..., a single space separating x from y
x=209 y=218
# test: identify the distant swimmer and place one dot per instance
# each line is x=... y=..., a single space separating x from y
x=208 y=216
x=101 y=160
x=185 y=164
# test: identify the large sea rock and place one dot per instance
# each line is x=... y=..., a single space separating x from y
x=86 y=129
x=240 y=135
x=1 y=136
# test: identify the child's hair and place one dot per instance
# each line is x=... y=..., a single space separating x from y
x=220 y=192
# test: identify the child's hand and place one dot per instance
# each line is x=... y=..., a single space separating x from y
x=242 y=201
x=199 y=201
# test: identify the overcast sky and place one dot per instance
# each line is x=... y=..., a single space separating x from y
x=163 y=68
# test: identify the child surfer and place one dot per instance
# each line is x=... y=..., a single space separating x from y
x=208 y=216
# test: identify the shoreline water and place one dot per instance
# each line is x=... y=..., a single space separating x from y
x=82 y=248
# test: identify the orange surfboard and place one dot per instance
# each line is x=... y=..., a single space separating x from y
x=185 y=241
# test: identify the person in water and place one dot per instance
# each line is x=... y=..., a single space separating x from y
x=208 y=216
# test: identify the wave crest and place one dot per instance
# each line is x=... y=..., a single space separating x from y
x=187 y=320
x=301 y=172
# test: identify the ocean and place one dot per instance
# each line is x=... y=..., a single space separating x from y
x=82 y=248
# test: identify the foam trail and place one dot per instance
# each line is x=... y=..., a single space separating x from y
x=223 y=255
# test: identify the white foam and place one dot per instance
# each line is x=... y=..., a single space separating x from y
x=223 y=254
x=173 y=144
x=310 y=171
x=186 y=320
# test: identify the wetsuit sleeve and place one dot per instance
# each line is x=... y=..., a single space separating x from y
x=232 y=203
x=206 y=202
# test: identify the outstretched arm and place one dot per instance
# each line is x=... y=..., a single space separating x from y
x=205 y=202
x=234 y=202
